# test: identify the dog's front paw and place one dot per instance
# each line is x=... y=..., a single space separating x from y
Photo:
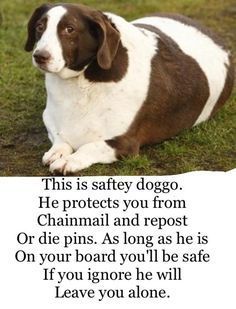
x=57 y=167
x=68 y=166
x=56 y=152
x=85 y=156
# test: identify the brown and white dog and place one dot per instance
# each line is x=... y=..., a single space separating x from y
x=113 y=86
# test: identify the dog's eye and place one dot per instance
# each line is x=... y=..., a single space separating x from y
x=40 y=28
x=69 y=29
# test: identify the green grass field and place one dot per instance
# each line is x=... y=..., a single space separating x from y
x=23 y=139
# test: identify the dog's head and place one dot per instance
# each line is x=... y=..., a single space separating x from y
x=70 y=37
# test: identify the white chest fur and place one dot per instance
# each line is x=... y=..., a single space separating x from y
x=75 y=110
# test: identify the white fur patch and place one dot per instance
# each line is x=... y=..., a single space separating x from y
x=50 y=41
x=211 y=58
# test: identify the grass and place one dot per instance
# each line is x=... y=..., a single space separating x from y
x=23 y=139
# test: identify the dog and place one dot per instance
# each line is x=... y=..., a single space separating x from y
x=114 y=86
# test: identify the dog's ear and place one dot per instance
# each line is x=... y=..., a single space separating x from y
x=38 y=13
x=108 y=39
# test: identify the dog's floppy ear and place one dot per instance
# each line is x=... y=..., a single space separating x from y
x=108 y=39
x=38 y=13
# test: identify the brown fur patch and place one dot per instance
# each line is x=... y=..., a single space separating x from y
x=80 y=47
x=229 y=82
x=117 y=71
x=36 y=16
x=177 y=94
x=96 y=43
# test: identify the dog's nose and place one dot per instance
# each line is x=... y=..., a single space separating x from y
x=41 y=57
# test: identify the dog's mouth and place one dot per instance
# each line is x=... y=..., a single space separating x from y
x=46 y=63
x=43 y=68
x=48 y=67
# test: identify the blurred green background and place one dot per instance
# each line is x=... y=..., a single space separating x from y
x=23 y=138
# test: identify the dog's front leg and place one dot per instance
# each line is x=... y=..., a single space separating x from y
x=86 y=155
x=60 y=148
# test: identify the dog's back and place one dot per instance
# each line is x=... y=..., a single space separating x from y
x=191 y=76
x=205 y=47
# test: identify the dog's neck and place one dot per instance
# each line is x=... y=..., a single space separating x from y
x=66 y=73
